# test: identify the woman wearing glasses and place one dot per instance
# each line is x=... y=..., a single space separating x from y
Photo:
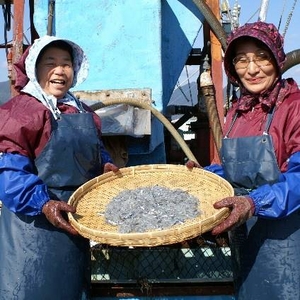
x=261 y=159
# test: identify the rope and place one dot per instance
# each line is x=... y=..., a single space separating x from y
x=181 y=90
x=209 y=95
x=6 y=15
x=6 y=9
x=179 y=86
x=189 y=84
x=252 y=16
x=289 y=18
x=283 y=9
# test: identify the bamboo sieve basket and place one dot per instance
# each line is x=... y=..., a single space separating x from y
x=93 y=197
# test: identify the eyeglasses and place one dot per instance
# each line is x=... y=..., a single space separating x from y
x=260 y=58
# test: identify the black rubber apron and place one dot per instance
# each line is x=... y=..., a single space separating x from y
x=38 y=261
x=265 y=253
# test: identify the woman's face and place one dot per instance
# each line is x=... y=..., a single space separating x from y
x=256 y=79
x=55 y=72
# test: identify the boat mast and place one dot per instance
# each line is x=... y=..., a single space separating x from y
x=263 y=10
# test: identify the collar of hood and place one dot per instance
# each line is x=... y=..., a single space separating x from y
x=270 y=98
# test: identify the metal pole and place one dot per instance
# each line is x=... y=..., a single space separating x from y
x=51 y=10
x=263 y=10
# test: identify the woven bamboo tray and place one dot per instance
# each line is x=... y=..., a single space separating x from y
x=92 y=198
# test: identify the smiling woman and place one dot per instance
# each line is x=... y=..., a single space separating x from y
x=260 y=157
x=53 y=141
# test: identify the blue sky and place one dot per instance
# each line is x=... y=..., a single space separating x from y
x=277 y=13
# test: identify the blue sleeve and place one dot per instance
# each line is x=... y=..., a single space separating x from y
x=215 y=168
x=105 y=157
x=282 y=198
x=21 y=191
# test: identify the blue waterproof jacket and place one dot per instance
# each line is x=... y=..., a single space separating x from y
x=275 y=200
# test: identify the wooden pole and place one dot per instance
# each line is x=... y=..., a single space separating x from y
x=18 y=29
x=216 y=73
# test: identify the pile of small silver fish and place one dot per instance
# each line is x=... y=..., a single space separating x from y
x=150 y=208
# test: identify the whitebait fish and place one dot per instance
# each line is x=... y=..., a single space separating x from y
x=150 y=208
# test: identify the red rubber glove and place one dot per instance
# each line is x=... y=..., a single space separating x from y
x=191 y=164
x=242 y=209
x=110 y=167
x=53 y=211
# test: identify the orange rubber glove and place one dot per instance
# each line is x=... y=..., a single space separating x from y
x=191 y=164
x=53 y=210
x=241 y=209
x=110 y=167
